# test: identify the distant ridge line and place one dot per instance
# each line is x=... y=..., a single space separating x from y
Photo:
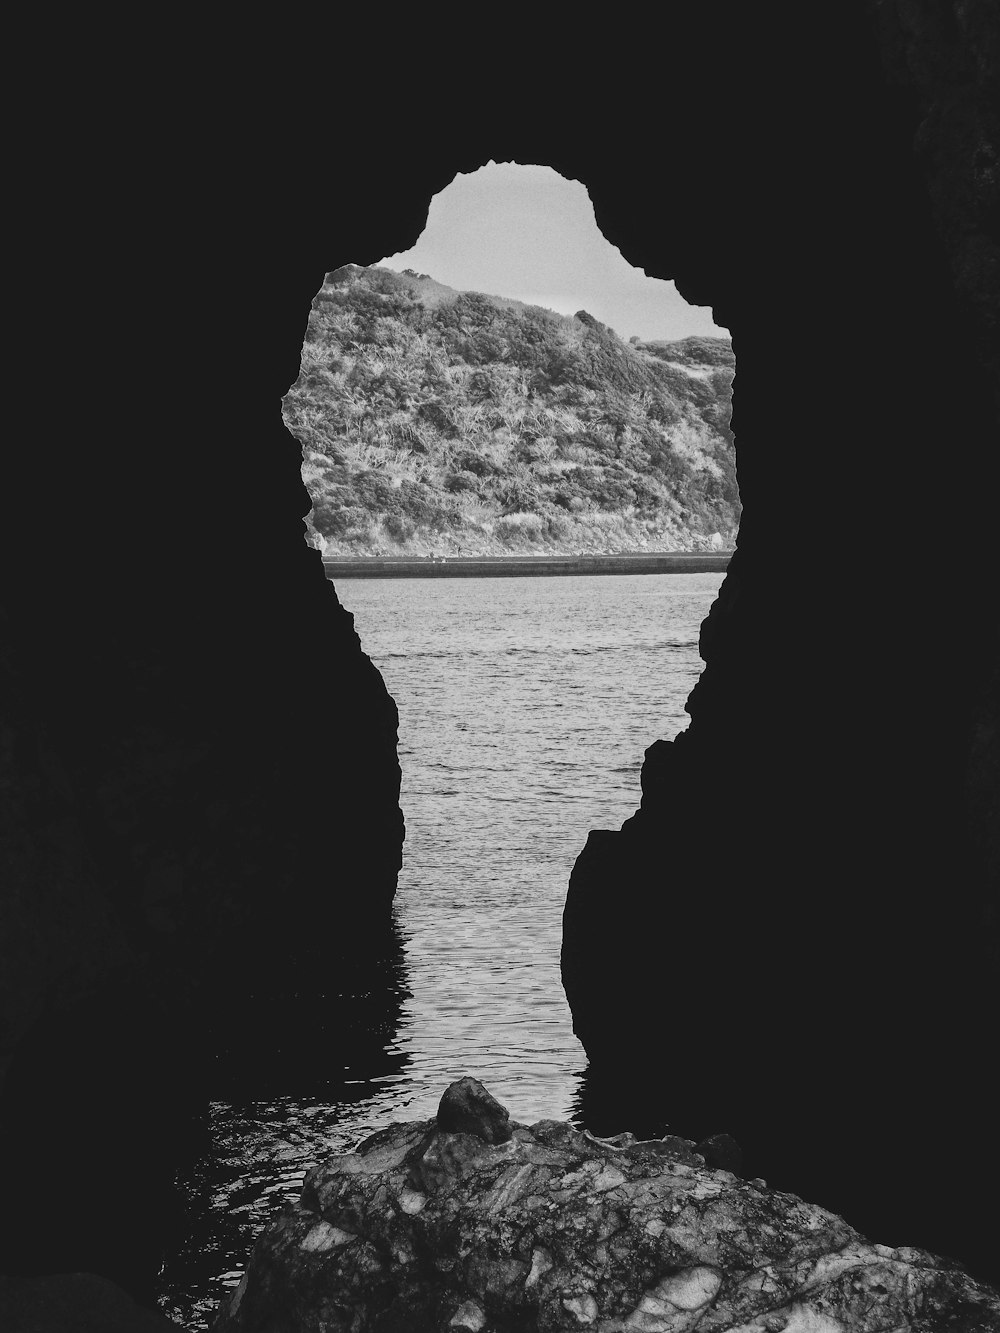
x=380 y=567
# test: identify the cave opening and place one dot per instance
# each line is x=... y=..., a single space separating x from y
x=505 y=767
x=462 y=428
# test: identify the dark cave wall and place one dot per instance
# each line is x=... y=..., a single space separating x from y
x=201 y=839
x=804 y=906
x=946 y=59
x=157 y=781
x=200 y=763
x=201 y=846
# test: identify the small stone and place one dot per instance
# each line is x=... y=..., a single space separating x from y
x=324 y=1237
x=607 y=1179
x=582 y=1308
x=692 y=1288
x=468 y=1316
x=467 y=1108
x=541 y=1263
x=721 y=1153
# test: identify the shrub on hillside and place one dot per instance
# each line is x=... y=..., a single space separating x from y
x=518 y=524
x=338 y=521
x=480 y=465
x=568 y=497
x=668 y=466
x=399 y=527
x=514 y=493
x=663 y=410
x=457 y=482
x=416 y=501
x=374 y=491
x=439 y=414
x=482 y=387
x=647 y=497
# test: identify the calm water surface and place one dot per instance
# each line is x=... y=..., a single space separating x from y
x=525 y=705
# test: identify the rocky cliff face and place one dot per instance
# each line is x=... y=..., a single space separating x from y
x=425 y=1227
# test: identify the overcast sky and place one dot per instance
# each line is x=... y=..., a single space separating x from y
x=529 y=233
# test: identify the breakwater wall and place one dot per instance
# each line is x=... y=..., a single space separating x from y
x=457 y=567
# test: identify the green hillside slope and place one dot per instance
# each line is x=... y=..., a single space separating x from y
x=436 y=421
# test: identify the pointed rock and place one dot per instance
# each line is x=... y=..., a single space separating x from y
x=467 y=1108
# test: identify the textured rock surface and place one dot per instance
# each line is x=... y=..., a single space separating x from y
x=420 y=1229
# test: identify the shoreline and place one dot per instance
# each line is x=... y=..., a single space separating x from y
x=525 y=566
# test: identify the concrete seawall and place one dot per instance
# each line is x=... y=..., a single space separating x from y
x=457 y=567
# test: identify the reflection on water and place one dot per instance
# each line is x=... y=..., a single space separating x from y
x=525 y=707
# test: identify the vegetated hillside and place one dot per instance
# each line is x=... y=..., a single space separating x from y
x=445 y=422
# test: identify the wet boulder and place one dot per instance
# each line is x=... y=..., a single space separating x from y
x=425 y=1228
x=468 y=1108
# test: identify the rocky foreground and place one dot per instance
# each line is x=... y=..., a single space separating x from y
x=474 y=1222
